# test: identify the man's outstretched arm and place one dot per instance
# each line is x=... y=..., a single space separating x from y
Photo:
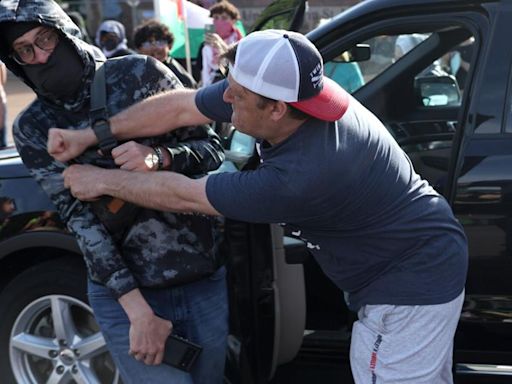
x=151 y=117
x=162 y=191
x=157 y=115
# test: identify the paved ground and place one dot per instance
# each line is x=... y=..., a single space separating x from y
x=18 y=97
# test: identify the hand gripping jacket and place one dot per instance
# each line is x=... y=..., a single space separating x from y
x=160 y=248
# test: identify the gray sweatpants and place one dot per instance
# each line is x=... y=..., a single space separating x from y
x=404 y=344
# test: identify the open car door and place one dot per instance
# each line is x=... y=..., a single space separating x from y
x=267 y=294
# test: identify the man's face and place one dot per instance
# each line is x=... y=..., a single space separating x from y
x=247 y=117
x=35 y=46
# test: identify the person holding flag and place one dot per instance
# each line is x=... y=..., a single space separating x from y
x=224 y=15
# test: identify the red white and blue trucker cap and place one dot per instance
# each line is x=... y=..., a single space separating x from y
x=284 y=65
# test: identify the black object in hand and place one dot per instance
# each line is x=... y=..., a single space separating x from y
x=181 y=353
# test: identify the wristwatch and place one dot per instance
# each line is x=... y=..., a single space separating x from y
x=160 y=156
x=106 y=140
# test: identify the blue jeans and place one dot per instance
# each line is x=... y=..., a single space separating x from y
x=199 y=313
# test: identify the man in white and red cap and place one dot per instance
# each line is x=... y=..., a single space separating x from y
x=334 y=174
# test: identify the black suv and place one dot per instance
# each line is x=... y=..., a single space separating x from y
x=457 y=131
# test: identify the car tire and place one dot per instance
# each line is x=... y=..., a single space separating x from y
x=48 y=332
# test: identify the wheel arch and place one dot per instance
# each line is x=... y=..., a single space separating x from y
x=28 y=249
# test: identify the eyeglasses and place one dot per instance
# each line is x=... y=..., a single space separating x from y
x=47 y=40
x=154 y=43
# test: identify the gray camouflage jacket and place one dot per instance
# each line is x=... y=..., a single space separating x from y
x=159 y=249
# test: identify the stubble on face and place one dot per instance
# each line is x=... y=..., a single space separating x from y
x=246 y=117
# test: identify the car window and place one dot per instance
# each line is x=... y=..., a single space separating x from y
x=414 y=81
x=384 y=53
x=440 y=83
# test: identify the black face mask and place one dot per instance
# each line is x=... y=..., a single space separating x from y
x=109 y=44
x=61 y=76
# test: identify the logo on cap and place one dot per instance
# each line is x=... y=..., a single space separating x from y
x=316 y=76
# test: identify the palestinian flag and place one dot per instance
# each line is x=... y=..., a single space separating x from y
x=173 y=13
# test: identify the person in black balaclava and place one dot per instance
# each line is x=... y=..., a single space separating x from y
x=111 y=38
x=158 y=272
x=55 y=69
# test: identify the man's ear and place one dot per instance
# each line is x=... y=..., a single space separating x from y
x=279 y=109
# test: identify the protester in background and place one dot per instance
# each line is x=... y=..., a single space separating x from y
x=224 y=16
x=3 y=106
x=111 y=38
x=153 y=38
x=150 y=273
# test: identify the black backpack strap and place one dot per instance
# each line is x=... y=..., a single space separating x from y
x=98 y=114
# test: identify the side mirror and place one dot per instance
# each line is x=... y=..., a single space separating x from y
x=434 y=91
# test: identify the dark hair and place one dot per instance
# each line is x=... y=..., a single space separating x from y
x=294 y=113
x=152 y=29
x=230 y=54
x=227 y=7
